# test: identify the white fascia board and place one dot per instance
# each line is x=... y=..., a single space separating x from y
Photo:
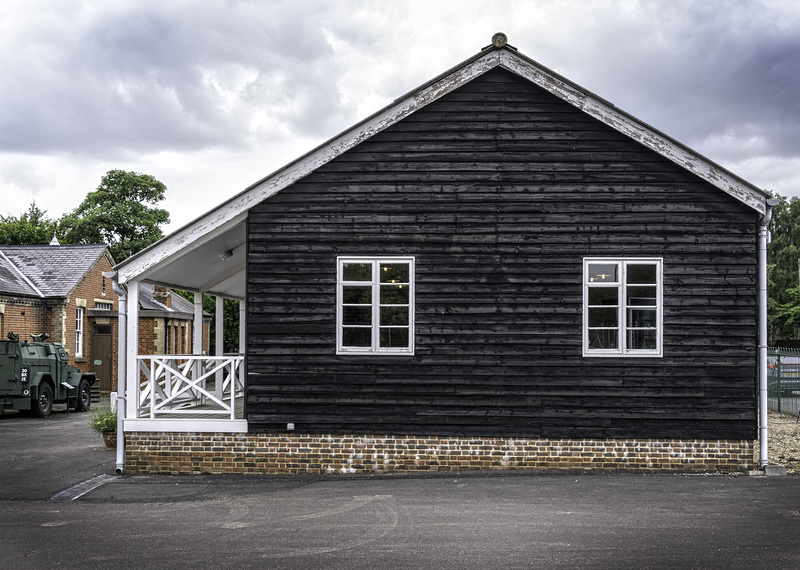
x=235 y=210
x=635 y=129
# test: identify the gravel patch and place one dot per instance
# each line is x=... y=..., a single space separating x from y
x=784 y=442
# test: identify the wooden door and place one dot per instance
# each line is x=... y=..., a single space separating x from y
x=101 y=356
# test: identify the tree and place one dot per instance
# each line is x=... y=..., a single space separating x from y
x=783 y=253
x=31 y=228
x=117 y=214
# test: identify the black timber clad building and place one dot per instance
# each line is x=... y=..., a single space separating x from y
x=498 y=270
x=500 y=200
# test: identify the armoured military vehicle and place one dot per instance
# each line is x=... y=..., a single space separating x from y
x=34 y=375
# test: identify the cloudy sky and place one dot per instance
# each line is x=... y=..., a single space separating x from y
x=209 y=96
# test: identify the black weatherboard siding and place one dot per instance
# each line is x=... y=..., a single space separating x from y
x=499 y=189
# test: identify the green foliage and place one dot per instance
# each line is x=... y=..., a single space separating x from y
x=117 y=214
x=230 y=321
x=31 y=228
x=783 y=271
x=103 y=420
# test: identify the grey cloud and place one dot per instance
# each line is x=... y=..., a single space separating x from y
x=136 y=81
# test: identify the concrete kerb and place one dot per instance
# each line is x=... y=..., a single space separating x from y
x=768 y=471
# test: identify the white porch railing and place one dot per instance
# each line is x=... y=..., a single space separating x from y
x=176 y=386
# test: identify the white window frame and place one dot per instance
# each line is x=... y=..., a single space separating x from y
x=78 y=331
x=622 y=313
x=375 y=348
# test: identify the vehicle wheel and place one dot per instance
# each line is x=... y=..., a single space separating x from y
x=84 y=400
x=43 y=405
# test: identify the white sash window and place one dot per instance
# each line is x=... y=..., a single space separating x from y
x=375 y=305
x=622 y=307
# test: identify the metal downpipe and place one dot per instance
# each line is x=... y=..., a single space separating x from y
x=763 y=240
x=122 y=326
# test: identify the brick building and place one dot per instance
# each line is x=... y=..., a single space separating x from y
x=61 y=291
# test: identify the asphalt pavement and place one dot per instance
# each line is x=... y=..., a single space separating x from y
x=62 y=506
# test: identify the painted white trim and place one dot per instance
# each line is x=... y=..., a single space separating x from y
x=185 y=426
x=619 y=286
x=80 y=314
x=242 y=327
x=132 y=351
x=375 y=349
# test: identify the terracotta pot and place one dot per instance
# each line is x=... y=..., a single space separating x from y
x=110 y=439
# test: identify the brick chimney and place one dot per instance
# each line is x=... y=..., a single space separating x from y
x=163 y=295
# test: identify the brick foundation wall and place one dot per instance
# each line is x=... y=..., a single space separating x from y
x=204 y=453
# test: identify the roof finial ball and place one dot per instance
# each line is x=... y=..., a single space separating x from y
x=499 y=39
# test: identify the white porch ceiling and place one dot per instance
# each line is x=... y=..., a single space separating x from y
x=215 y=265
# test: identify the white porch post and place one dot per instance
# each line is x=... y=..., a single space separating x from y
x=219 y=348
x=132 y=351
x=242 y=327
x=197 y=336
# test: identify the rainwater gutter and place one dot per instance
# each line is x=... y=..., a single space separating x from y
x=122 y=327
x=763 y=240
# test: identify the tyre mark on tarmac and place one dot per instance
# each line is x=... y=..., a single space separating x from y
x=379 y=502
x=79 y=490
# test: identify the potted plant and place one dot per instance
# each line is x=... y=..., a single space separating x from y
x=104 y=421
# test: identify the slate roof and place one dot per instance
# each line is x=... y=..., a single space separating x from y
x=147 y=302
x=45 y=271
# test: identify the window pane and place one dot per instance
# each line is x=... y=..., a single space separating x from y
x=394 y=294
x=357 y=337
x=394 y=316
x=644 y=274
x=603 y=339
x=603 y=318
x=355 y=295
x=357 y=315
x=642 y=340
x=641 y=296
x=642 y=318
x=394 y=273
x=357 y=272
x=396 y=338
x=603 y=296
x=602 y=273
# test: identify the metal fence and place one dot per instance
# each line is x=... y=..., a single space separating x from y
x=783 y=380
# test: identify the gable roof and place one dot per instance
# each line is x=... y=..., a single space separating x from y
x=208 y=254
x=45 y=271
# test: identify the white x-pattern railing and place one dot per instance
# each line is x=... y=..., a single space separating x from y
x=183 y=385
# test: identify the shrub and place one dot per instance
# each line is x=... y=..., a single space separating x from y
x=103 y=420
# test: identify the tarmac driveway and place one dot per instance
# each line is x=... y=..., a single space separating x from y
x=478 y=520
